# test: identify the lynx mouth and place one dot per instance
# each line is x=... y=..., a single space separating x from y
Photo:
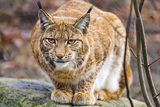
x=60 y=61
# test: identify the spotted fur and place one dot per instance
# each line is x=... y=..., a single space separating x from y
x=90 y=67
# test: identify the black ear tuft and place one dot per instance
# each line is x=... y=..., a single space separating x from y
x=83 y=23
x=39 y=4
x=44 y=18
x=90 y=9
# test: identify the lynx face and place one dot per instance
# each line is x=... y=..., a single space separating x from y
x=64 y=46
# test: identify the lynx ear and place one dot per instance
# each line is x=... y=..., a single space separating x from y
x=45 y=18
x=83 y=23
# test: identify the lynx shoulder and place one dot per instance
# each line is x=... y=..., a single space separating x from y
x=81 y=48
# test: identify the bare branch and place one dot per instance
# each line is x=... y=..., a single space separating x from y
x=139 y=62
x=125 y=51
x=132 y=51
x=154 y=61
x=146 y=67
x=156 y=95
x=141 y=37
x=140 y=71
x=141 y=5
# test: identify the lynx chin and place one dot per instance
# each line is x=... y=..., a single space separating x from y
x=81 y=48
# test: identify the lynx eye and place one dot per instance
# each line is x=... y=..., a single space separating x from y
x=51 y=41
x=71 y=41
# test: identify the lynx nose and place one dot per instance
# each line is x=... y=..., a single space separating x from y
x=60 y=56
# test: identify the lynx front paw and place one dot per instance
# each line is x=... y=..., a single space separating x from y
x=83 y=99
x=62 y=96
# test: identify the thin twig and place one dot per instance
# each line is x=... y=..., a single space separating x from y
x=139 y=62
x=154 y=61
x=132 y=51
x=125 y=52
x=134 y=54
x=156 y=95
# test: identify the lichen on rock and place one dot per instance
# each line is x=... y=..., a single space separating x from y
x=32 y=93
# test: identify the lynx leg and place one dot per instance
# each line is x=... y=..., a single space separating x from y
x=84 y=93
x=62 y=93
x=104 y=94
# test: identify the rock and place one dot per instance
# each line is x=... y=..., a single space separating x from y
x=33 y=93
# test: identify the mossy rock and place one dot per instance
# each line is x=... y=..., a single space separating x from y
x=33 y=93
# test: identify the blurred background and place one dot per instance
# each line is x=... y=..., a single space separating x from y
x=17 y=19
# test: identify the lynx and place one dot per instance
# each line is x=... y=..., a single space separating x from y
x=81 y=48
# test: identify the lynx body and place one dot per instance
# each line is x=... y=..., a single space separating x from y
x=82 y=52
